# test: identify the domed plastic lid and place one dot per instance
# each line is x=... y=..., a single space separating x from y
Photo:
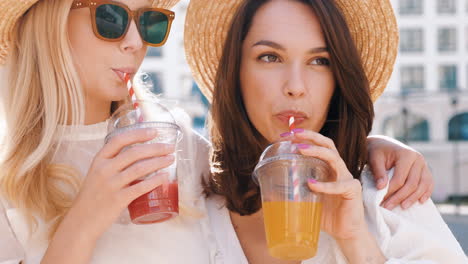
x=284 y=151
x=143 y=114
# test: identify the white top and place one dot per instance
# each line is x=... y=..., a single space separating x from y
x=183 y=239
x=417 y=235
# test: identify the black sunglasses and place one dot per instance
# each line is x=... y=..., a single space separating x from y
x=111 y=21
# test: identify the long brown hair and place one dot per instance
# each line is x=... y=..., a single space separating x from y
x=237 y=145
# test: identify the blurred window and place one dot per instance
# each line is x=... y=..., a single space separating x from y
x=447 y=39
x=407 y=127
x=446 y=6
x=411 y=7
x=458 y=127
x=154 y=52
x=448 y=77
x=412 y=78
x=411 y=40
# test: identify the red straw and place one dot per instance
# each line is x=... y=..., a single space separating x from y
x=292 y=124
x=131 y=92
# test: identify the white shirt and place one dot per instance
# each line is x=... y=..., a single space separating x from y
x=417 y=235
x=183 y=239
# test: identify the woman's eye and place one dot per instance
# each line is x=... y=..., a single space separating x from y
x=269 y=58
x=321 y=61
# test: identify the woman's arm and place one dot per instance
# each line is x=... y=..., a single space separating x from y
x=412 y=181
x=353 y=250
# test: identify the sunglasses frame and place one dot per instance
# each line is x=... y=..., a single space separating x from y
x=133 y=15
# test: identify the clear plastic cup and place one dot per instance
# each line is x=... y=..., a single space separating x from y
x=161 y=203
x=292 y=213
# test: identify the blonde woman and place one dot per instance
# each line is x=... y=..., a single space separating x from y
x=62 y=189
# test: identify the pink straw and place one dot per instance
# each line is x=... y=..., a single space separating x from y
x=295 y=176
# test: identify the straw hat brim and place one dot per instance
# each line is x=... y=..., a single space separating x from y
x=372 y=24
x=12 y=10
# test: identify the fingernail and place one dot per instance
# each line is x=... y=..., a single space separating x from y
x=287 y=134
x=405 y=205
x=298 y=130
x=390 y=206
x=381 y=183
x=312 y=180
x=303 y=146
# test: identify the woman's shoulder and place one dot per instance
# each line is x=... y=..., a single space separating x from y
x=11 y=249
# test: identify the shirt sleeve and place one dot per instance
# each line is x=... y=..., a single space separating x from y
x=417 y=235
x=11 y=251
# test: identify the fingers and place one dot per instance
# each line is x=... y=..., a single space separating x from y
x=427 y=181
x=414 y=197
x=426 y=195
x=117 y=143
x=379 y=171
x=348 y=189
x=143 y=168
x=134 y=191
x=331 y=157
x=410 y=187
x=141 y=152
x=314 y=137
x=402 y=171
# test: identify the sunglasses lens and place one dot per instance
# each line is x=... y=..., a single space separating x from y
x=111 y=21
x=153 y=26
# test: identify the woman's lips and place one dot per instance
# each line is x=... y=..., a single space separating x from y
x=284 y=117
x=121 y=73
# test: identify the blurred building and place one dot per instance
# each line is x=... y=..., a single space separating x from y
x=170 y=75
x=426 y=103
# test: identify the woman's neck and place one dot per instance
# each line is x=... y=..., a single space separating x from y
x=97 y=112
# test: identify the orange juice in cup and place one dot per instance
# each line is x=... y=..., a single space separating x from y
x=292 y=213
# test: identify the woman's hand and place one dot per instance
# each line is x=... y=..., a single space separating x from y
x=107 y=191
x=412 y=180
x=343 y=210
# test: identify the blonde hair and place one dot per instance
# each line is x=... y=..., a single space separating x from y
x=42 y=91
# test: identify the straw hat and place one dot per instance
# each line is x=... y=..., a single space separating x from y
x=12 y=10
x=372 y=24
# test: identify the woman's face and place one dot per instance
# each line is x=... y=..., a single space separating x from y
x=101 y=64
x=285 y=69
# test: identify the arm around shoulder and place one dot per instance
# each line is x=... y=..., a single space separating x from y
x=414 y=236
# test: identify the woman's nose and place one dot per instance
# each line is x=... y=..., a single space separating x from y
x=132 y=40
x=295 y=85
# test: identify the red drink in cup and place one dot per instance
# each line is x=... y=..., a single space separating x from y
x=161 y=203
x=155 y=206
